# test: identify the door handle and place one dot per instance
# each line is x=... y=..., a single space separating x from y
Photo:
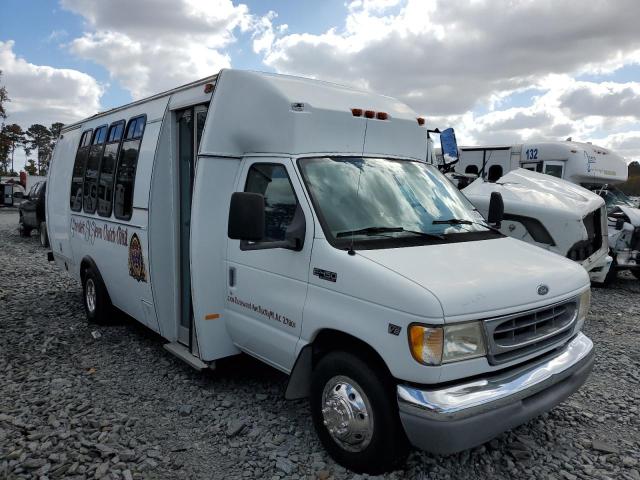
x=232 y=276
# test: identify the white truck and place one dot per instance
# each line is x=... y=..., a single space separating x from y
x=595 y=168
x=548 y=212
x=297 y=221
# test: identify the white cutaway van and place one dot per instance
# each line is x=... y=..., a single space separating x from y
x=297 y=221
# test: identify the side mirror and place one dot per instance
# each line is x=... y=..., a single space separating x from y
x=246 y=217
x=496 y=209
x=449 y=147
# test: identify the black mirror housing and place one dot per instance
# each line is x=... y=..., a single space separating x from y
x=496 y=209
x=246 y=217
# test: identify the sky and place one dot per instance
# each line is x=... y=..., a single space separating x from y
x=498 y=71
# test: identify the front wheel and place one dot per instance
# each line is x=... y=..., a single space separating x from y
x=355 y=414
x=44 y=238
x=24 y=230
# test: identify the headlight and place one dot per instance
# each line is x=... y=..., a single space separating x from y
x=451 y=343
x=583 y=308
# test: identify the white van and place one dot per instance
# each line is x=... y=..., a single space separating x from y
x=297 y=221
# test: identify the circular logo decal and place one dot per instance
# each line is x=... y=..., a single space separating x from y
x=136 y=261
x=543 y=289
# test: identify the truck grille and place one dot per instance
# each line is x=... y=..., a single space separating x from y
x=524 y=333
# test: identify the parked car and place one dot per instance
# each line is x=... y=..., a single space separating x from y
x=32 y=215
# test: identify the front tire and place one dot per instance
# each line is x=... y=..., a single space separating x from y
x=355 y=414
x=24 y=230
x=44 y=238
x=97 y=304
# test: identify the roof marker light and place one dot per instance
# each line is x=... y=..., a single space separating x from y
x=382 y=116
x=369 y=113
x=420 y=121
x=208 y=87
x=356 y=112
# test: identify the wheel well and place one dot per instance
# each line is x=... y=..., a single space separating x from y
x=330 y=340
x=326 y=341
x=88 y=263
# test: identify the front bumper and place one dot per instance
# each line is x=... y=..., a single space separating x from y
x=599 y=268
x=453 y=418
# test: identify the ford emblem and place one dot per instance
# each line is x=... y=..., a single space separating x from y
x=543 y=289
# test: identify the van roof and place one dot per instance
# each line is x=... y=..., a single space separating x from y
x=202 y=81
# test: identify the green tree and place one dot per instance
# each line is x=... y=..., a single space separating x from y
x=30 y=167
x=4 y=98
x=13 y=138
x=39 y=139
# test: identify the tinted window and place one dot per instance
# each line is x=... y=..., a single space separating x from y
x=100 y=135
x=77 y=178
x=273 y=182
x=107 y=169
x=126 y=171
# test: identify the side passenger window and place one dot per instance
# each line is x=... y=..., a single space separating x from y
x=77 y=177
x=126 y=173
x=90 y=187
x=272 y=181
x=108 y=168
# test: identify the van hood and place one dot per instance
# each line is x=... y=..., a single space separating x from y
x=525 y=187
x=632 y=213
x=484 y=278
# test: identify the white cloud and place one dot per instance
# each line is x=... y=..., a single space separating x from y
x=43 y=94
x=150 y=46
x=445 y=57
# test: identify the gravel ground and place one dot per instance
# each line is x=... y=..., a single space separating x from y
x=119 y=406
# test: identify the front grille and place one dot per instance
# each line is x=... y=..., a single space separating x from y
x=585 y=248
x=521 y=334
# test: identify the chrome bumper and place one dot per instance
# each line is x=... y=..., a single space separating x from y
x=456 y=417
x=474 y=397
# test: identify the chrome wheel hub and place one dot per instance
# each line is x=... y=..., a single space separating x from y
x=347 y=413
x=91 y=295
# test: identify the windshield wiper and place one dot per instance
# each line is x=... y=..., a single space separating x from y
x=462 y=221
x=380 y=230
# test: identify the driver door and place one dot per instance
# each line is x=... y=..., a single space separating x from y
x=267 y=284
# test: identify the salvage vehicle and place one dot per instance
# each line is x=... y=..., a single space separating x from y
x=593 y=167
x=623 y=229
x=540 y=209
x=32 y=212
x=297 y=221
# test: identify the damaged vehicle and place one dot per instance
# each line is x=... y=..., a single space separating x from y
x=623 y=227
x=539 y=209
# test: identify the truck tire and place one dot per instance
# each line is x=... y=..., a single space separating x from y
x=24 y=230
x=355 y=414
x=44 y=238
x=97 y=304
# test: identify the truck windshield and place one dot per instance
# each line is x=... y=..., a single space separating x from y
x=385 y=203
x=612 y=196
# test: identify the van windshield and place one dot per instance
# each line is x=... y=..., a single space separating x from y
x=385 y=203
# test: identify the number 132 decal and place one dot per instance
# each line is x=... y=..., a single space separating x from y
x=532 y=153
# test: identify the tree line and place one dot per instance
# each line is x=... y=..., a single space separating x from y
x=37 y=139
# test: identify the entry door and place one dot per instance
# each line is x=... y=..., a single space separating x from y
x=267 y=283
x=554 y=167
x=190 y=125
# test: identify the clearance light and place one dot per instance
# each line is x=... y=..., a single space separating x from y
x=382 y=116
x=369 y=114
x=420 y=121
x=208 y=88
x=356 y=112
